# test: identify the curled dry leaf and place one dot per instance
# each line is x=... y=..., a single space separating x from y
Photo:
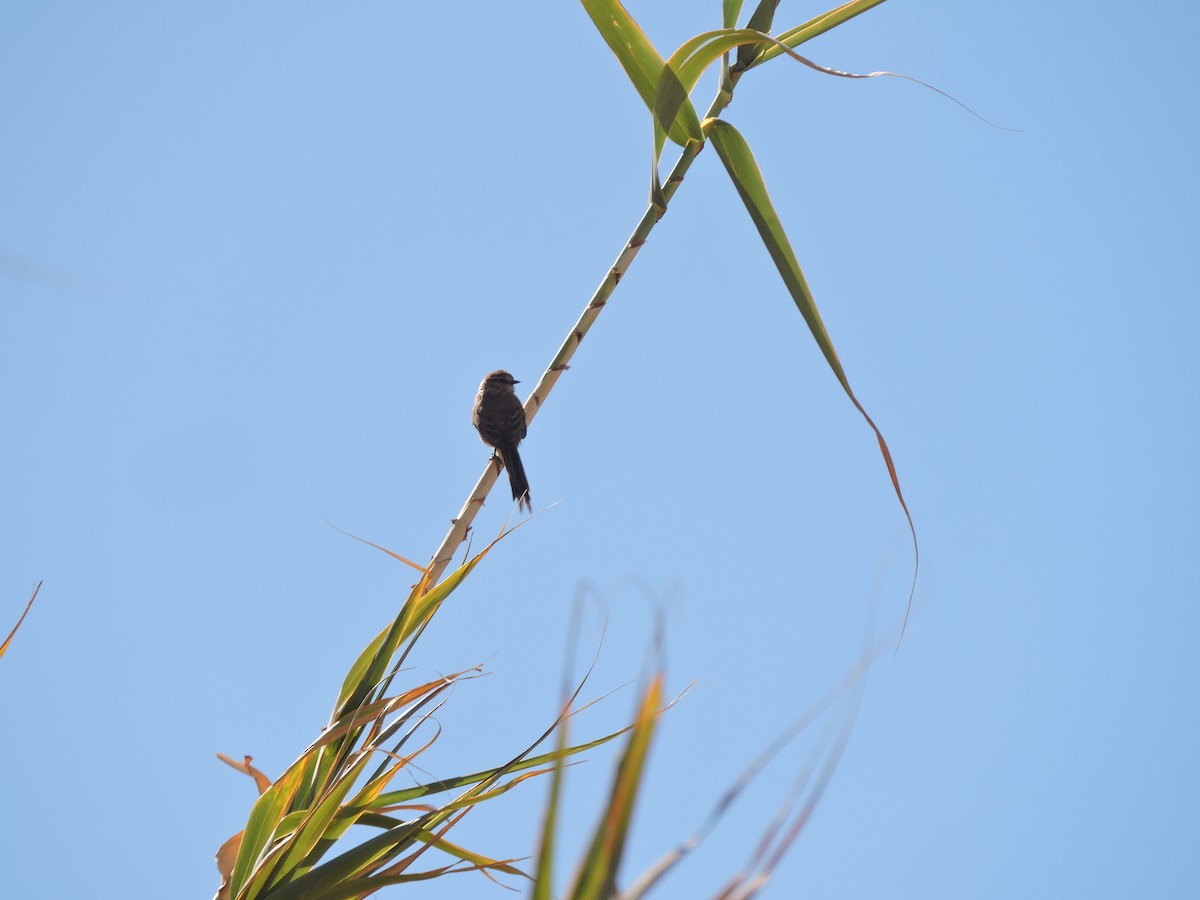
x=226 y=857
x=245 y=768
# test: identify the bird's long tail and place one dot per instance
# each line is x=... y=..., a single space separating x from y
x=516 y=476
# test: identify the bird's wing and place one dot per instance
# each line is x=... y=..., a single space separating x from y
x=515 y=425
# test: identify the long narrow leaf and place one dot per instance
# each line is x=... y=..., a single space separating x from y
x=637 y=56
x=368 y=670
x=8 y=640
x=672 y=109
x=264 y=819
x=794 y=37
x=367 y=798
x=747 y=179
x=598 y=872
x=679 y=76
x=520 y=762
x=730 y=10
x=686 y=65
x=544 y=878
x=760 y=20
x=313 y=829
x=363 y=887
x=476 y=859
x=387 y=706
x=319 y=882
x=356 y=678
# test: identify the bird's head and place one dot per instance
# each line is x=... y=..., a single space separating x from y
x=500 y=380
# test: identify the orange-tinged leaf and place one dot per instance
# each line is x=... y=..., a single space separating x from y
x=364 y=801
x=397 y=797
x=393 y=554
x=312 y=830
x=388 y=705
x=333 y=877
x=261 y=780
x=265 y=817
x=369 y=669
x=226 y=855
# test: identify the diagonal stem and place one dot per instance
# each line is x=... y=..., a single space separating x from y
x=461 y=524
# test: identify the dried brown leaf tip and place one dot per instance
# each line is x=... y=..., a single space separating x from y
x=8 y=640
x=245 y=768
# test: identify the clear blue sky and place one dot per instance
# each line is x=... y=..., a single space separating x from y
x=254 y=260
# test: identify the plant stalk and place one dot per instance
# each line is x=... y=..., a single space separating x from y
x=461 y=524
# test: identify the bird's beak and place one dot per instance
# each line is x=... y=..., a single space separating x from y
x=515 y=381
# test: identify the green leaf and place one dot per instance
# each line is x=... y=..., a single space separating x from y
x=265 y=817
x=367 y=885
x=794 y=37
x=747 y=179
x=730 y=10
x=357 y=677
x=477 y=860
x=760 y=20
x=392 y=798
x=598 y=872
x=636 y=55
x=674 y=115
x=368 y=670
x=315 y=826
x=679 y=76
x=543 y=880
x=331 y=875
x=673 y=112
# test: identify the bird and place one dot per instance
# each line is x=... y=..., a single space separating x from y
x=499 y=418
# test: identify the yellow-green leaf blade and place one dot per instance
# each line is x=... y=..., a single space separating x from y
x=794 y=37
x=332 y=875
x=272 y=805
x=747 y=179
x=628 y=43
x=393 y=798
x=543 y=881
x=598 y=872
x=739 y=162
x=418 y=609
x=317 y=821
x=673 y=111
x=730 y=10
x=636 y=55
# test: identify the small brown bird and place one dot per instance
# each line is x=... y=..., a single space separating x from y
x=499 y=418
